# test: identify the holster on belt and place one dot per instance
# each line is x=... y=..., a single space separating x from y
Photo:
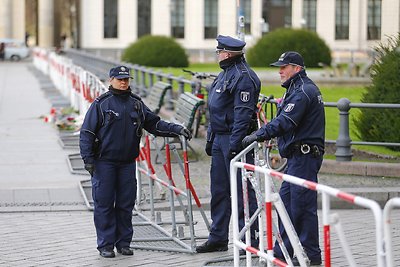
x=304 y=149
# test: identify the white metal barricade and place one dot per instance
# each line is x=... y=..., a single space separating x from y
x=145 y=167
x=40 y=59
x=392 y=203
x=328 y=218
x=80 y=86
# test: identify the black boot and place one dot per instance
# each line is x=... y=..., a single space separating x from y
x=107 y=253
x=125 y=251
x=212 y=247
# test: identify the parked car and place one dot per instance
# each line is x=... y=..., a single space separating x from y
x=15 y=50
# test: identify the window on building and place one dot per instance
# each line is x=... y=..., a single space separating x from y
x=374 y=19
x=342 y=20
x=110 y=18
x=178 y=18
x=144 y=17
x=277 y=14
x=210 y=19
x=310 y=14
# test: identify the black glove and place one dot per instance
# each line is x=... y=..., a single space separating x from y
x=90 y=168
x=248 y=140
x=232 y=154
x=186 y=133
x=209 y=148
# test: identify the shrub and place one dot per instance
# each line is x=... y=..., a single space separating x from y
x=377 y=125
x=271 y=46
x=156 y=51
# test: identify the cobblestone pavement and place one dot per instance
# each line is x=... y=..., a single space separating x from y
x=44 y=221
x=68 y=239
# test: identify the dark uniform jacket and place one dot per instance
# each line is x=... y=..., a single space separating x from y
x=232 y=101
x=115 y=120
x=300 y=117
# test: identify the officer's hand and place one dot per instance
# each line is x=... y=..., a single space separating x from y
x=186 y=133
x=209 y=148
x=90 y=168
x=248 y=140
x=232 y=154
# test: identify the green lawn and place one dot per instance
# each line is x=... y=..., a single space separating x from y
x=329 y=93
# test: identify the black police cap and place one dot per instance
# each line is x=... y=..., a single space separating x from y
x=289 y=58
x=230 y=44
x=120 y=72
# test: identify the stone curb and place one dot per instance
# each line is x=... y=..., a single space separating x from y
x=361 y=168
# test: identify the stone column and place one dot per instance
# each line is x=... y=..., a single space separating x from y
x=5 y=19
x=46 y=23
x=18 y=19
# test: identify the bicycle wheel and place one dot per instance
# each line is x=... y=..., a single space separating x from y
x=196 y=123
x=273 y=159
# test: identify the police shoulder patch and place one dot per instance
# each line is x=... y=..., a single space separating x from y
x=245 y=96
x=289 y=107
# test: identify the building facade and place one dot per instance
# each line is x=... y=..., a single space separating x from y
x=352 y=25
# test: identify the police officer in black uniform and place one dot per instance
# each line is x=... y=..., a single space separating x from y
x=232 y=104
x=109 y=143
x=300 y=128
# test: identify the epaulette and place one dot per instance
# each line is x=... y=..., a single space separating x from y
x=136 y=96
x=100 y=97
x=243 y=67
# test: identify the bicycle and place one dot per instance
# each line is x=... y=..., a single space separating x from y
x=272 y=158
x=201 y=116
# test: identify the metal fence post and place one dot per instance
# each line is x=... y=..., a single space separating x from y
x=159 y=76
x=143 y=88
x=135 y=81
x=151 y=78
x=169 y=96
x=181 y=85
x=343 y=143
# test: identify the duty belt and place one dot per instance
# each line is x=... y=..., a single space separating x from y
x=304 y=149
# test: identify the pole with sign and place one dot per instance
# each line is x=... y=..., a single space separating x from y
x=240 y=12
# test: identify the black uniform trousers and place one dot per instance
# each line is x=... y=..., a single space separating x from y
x=221 y=194
x=301 y=205
x=114 y=195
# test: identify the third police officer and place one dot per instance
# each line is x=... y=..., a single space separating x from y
x=300 y=128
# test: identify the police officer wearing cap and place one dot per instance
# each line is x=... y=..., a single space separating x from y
x=300 y=128
x=109 y=143
x=232 y=104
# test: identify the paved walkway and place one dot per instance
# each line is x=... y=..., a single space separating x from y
x=44 y=221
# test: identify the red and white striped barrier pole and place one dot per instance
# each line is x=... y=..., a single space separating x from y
x=392 y=203
x=188 y=190
x=325 y=190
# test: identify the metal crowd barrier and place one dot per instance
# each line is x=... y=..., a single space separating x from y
x=270 y=199
x=387 y=210
x=80 y=86
x=183 y=196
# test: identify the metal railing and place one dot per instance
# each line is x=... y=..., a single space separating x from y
x=145 y=77
x=344 y=142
